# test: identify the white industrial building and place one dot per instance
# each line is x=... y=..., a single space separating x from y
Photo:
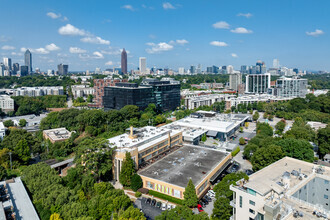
x=38 y=91
x=6 y=103
x=82 y=90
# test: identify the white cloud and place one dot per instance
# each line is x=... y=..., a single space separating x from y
x=241 y=30
x=98 y=55
x=109 y=63
x=23 y=49
x=128 y=7
x=76 y=50
x=52 y=47
x=71 y=30
x=182 y=42
x=160 y=47
x=218 y=44
x=247 y=15
x=40 y=51
x=315 y=33
x=53 y=15
x=234 y=55
x=7 y=47
x=95 y=40
x=167 y=5
x=221 y=25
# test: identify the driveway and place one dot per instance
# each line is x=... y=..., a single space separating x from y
x=245 y=165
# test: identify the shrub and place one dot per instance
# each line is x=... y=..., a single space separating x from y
x=136 y=182
x=165 y=197
x=235 y=152
x=241 y=141
x=138 y=194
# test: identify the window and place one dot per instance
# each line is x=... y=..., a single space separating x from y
x=252 y=203
x=240 y=201
x=251 y=211
x=251 y=191
x=326 y=196
x=326 y=181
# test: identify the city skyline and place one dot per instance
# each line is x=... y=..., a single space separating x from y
x=168 y=34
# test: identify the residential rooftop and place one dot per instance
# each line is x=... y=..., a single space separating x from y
x=58 y=134
x=188 y=162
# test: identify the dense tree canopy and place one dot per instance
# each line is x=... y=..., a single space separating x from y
x=181 y=213
x=265 y=156
x=127 y=170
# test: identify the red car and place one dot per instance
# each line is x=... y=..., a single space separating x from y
x=199 y=207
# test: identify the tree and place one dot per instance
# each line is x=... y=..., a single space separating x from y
x=55 y=216
x=8 y=123
x=249 y=150
x=265 y=156
x=160 y=119
x=136 y=182
x=297 y=148
x=180 y=213
x=90 y=98
x=264 y=129
x=127 y=170
x=222 y=208
x=255 y=116
x=190 y=197
x=270 y=117
x=323 y=138
x=23 y=151
x=22 y=122
x=204 y=138
x=241 y=129
x=280 y=127
x=241 y=141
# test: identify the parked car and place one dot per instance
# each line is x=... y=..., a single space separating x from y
x=153 y=202
x=211 y=193
x=199 y=207
x=207 y=198
x=233 y=168
x=158 y=204
x=169 y=207
x=173 y=206
x=248 y=172
x=203 y=204
x=148 y=201
x=205 y=201
x=247 y=139
x=163 y=206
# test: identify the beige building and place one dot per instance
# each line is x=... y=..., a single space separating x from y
x=56 y=135
x=6 y=103
x=286 y=189
x=171 y=174
x=144 y=144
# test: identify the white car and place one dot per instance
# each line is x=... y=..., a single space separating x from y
x=173 y=206
x=163 y=206
x=169 y=207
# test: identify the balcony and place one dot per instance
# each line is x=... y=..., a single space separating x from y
x=233 y=203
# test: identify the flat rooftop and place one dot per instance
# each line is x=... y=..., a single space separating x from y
x=145 y=137
x=187 y=162
x=58 y=134
x=19 y=200
x=220 y=123
x=268 y=178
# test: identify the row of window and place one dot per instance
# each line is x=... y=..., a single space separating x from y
x=164 y=189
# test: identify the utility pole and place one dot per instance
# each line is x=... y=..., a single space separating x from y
x=11 y=164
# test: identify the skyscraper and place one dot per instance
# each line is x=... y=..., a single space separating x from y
x=143 y=65
x=62 y=69
x=235 y=79
x=15 y=68
x=7 y=63
x=124 y=62
x=276 y=63
x=28 y=60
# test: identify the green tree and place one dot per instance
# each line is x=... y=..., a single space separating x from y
x=241 y=141
x=249 y=150
x=264 y=129
x=8 y=123
x=22 y=122
x=255 y=116
x=297 y=148
x=204 y=138
x=280 y=126
x=180 y=213
x=127 y=170
x=23 y=151
x=160 y=119
x=323 y=138
x=90 y=98
x=190 y=197
x=265 y=156
x=136 y=182
x=222 y=209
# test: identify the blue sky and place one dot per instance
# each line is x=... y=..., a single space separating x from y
x=90 y=33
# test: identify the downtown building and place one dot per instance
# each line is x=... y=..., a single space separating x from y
x=163 y=94
x=235 y=79
x=257 y=83
x=290 y=87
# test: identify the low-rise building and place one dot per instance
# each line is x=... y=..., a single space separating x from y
x=56 y=135
x=38 y=91
x=171 y=174
x=290 y=87
x=15 y=201
x=286 y=189
x=6 y=103
x=2 y=130
x=31 y=120
x=206 y=100
x=316 y=125
x=144 y=144
x=81 y=91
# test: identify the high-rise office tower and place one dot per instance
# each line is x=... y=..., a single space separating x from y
x=257 y=83
x=143 y=65
x=24 y=70
x=276 y=63
x=124 y=61
x=230 y=69
x=62 y=69
x=28 y=60
x=199 y=69
x=15 y=68
x=7 y=63
x=2 y=69
x=235 y=79
x=181 y=70
x=192 y=69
